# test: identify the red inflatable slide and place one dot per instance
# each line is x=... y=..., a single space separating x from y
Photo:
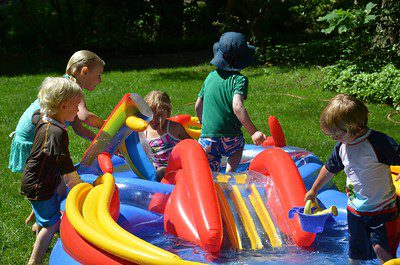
x=279 y=166
x=192 y=210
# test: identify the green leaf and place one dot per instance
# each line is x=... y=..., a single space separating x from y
x=369 y=7
x=328 y=30
x=369 y=18
x=342 y=29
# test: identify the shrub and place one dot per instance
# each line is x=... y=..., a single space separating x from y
x=382 y=86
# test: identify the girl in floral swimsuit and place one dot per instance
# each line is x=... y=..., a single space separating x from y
x=162 y=134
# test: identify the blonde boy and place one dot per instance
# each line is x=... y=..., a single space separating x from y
x=49 y=159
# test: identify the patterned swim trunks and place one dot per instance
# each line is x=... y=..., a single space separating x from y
x=216 y=147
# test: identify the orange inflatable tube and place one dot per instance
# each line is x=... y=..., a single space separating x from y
x=192 y=210
x=290 y=189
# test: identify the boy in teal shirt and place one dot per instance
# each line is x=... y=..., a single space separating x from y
x=219 y=105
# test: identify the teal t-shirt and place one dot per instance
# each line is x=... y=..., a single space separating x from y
x=217 y=94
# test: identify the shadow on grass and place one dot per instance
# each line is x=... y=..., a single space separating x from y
x=182 y=75
x=34 y=64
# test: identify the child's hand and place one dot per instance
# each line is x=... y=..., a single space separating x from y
x=310 y=195
x=398 y=177
x=258 y=138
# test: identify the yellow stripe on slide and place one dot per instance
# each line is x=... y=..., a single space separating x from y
x=245 y=216
x=264 y=217
x=227 y=215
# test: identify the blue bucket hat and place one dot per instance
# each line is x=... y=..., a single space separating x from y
x=232 y=53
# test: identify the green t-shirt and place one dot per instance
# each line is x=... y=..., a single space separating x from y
x=217 y=94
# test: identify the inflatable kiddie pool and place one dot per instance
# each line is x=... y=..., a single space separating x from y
x=194 y=215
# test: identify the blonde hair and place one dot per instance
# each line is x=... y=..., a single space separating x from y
x=345 y=113
x=56 y=90
x=81 y=59
x=158 y=100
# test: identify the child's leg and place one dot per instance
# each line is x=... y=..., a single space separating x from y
x=232 y=147
x=42 y=243
x=160 y=172
x=381 y=253
x=233 y=161
x=385 y=235
x=360 y=248
x=31 y=217
x=211 y=148
x=35 y=227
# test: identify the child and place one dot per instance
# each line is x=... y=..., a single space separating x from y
x=365 y=156
x=219 y=105
x=49 y=159
x=86 y=67
x=162 y=134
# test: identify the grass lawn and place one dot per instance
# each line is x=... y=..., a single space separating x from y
x=292 y=95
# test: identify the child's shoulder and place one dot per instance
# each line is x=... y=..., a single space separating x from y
x=378 y=138
x=377 y=135
x=176 y=129
x=175 y=125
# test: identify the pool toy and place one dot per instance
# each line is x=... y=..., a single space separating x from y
x=87 y=211
x=312 y=216
x=132 y=111
x=313 y=208
x=204 y=214
x=189 y=213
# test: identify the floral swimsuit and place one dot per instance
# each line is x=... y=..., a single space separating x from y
x=161 y=148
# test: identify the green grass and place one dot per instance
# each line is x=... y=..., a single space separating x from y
x=292 y=95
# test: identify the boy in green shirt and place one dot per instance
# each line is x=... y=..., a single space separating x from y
x=219 y=105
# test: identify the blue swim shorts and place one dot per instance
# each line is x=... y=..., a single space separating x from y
x=216 y=147
x=364 y=230
x=47 y=212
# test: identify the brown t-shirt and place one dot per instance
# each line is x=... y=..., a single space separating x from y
x=48 y=160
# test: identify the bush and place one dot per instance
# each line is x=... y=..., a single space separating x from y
x=382 y=86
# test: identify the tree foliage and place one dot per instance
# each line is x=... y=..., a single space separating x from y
x=128 y=26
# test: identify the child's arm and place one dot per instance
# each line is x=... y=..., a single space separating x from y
x=324 y=177
x=72 y=179
x=178 y=131
x=88 y=117
x=199 y=108
x=80 y=130
x=241 y=113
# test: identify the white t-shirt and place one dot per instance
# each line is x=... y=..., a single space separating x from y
x=366 y=162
